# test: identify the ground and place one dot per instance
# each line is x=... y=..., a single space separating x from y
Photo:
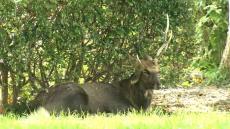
x=195 y=99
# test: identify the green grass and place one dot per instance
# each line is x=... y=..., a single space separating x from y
x=42 y=120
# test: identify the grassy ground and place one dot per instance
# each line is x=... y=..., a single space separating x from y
x=42 y=120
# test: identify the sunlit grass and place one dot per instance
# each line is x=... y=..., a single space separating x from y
x=42 y=120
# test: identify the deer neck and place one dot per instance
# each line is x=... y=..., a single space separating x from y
x=132 y=92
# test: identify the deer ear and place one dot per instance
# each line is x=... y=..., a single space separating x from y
x=135 y=78
x=148 y=58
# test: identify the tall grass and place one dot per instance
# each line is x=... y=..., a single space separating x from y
x=42 y=120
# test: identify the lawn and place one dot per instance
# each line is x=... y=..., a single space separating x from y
x=42 y=120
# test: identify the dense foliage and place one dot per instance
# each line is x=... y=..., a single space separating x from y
x=211 y=34
x=44 y=42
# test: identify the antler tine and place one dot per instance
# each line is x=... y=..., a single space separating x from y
x=165 y=45
x=167 y=27
x=138 y=59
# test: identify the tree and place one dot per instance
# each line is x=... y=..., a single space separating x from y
x=225 y=60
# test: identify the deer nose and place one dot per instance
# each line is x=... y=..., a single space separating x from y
x=157 y=87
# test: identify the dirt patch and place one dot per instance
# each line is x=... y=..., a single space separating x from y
x=196 y=99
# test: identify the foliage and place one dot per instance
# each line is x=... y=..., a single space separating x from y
x=211 y=32
x=212 y=28
x=217 y=76
x=210 y=37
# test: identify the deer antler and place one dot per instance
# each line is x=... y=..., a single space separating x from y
x=165 y=45
x=138 y=59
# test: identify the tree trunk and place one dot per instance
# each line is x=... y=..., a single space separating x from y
x=15 y=89
x=225 y=60
x=4 y=80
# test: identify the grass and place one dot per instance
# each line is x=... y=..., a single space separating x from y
x=42 y=120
